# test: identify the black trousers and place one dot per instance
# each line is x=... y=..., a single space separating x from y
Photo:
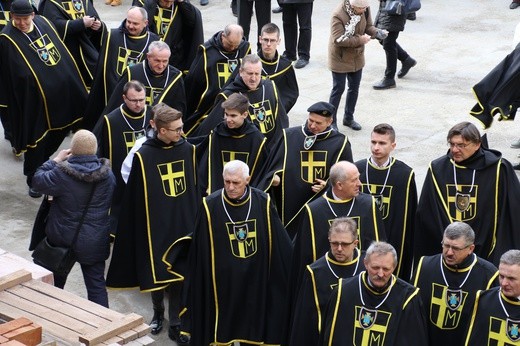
x=173 y=291
x=263 y=15
x=393 y=53
x=338 y=87
x=292 y=15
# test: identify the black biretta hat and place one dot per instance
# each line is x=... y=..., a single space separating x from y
x=22 y=8
x=322 y=108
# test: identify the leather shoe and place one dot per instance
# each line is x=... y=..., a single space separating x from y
x=301 y=63
x=204 y=2
x=411 y=16
x=234 y=7
x=278 y=10
x=174 y=333
x=407 y=65
x=385 y=83
x=33 y=193
x=514 y=5
x=290 y=58
x=354 y=125
x=517 y=167
x=516 y=144
x=157 y=323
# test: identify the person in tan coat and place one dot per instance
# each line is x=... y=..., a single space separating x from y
x=351 y=28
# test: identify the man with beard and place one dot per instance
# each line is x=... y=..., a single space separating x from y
x=214 y=64
x=159 y=209
x=179 y=24
x=343 y=260
x=375 y=305
x=392 y=183
x=265 y=108
x=473 y=184
x=298 y=166
x=277 y=67
x=81 y=30
x=122 y=47
x=117 y=133
x=449 y=282
x=163 y=82
x=43 y=89
x=235 y=138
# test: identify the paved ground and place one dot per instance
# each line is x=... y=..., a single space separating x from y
x=455 y=43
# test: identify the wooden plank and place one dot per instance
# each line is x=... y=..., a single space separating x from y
x=13 y=343
x=14 y=324
x=28 y=335
x=74 y=300
x=142 y=330
x=114 y=340
x=127 y=322
x=10 y=263
x=15 y=278
x=145 y=340
x=128 y=336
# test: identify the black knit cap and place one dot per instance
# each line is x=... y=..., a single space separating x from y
x=21 y=8
x=322 y=108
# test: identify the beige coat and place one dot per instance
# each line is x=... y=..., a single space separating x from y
x=348 y=55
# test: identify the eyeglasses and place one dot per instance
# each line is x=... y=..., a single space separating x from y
x=453 y=248
x=177 y=130
x=136 y=101
x=269 y=40
x=337 y=244
x=458 y=145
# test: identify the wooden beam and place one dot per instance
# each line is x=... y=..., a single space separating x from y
x=13 y=279
x=111 y=329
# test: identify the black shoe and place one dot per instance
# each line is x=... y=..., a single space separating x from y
x=278 y=10
x=33 y=193
x=301 y=63
x=517 y=167
x=234 y=7
x=411 y=16
x=174 y=333
x=385 y=83
x=156 y=324
x=204 y=2
x=407 y=65
x=354 y=125
x=290 y=58
x=514 y=5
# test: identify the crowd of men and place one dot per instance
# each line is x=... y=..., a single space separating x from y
x=257 y=232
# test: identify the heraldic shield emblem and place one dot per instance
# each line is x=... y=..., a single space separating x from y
x=513 y=330
x=262 y=116
x=453 y=299
x=446 y=306
x=242 y=238
x=46 y=50
x=462 y=202
x=173 y=178
x=313 y=165
x=370 y=327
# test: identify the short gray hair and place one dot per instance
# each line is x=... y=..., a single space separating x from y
x=141 y=10
x=458 y=230
x=235 y=167
x=159 y=45
x=511 y=257
x=381 y=248
x=344 y=225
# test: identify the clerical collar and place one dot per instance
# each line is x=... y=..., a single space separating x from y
x=239 y=200
x=131 y=113
x=378 y=289
x=385 y=164
x=462 y=266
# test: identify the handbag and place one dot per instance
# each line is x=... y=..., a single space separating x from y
x=398 y=7
x=59 y=259
x=40 y=222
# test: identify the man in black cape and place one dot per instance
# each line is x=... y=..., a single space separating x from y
x=122 y=47
x=43 y=89
x=117 y=132
x=375 y=307
x=472 y=184
x=449 y=282
x=210 y=72
x=239 y=266
x=392 y=183
x=235 y=138
x=81 y=30
x=163 y=82
x=179 y=24
x=159 y=209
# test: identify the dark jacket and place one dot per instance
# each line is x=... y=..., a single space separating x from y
x=70 y=183
x=387 y=21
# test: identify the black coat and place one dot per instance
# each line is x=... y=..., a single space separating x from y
x=387 y=21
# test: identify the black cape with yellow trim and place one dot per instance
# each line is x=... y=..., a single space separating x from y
x=498 y=93
x=314 y=293
x=352 y=319
x=83 y=43
x=43 y=89
x=299 y=168
x=239 y=271
x=246 y=144
x=490 y=324
x=448 y=308
x=265 y=110
x=281 y=71
x=167 y=87
x=397 y=202
x=492 y=203
x=118 y=51
x=181 y=30
x=116 y=133
x=159 y=207
x=209 y=73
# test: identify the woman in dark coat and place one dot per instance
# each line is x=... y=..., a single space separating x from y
x=393 y=24
x=69 y=178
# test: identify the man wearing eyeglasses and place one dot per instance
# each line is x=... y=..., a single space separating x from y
x=449 y=282
x=158 y=210
x=163 y=82
x=277 y=67
x=117 y=132
x=472 y=184
x=343 y=260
